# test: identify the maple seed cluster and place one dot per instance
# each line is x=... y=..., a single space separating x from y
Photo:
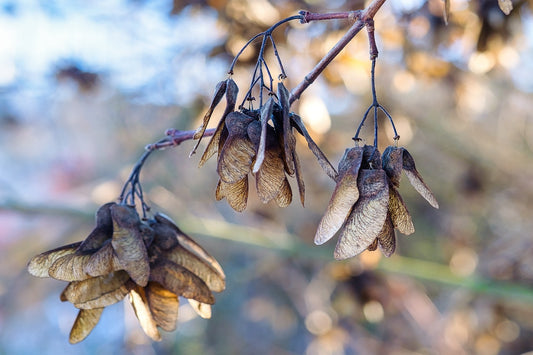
x=247 y=143
x=366 y=206
x=152 y=261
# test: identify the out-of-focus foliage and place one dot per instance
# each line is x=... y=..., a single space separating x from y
x=461 y=97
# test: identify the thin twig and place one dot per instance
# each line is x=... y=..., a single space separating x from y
x=361 y=18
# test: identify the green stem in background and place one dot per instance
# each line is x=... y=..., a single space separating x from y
x=289 y=245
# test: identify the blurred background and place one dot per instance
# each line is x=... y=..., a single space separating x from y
x=84 y=86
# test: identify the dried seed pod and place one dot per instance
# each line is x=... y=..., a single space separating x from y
x=163 y=305
x=220 y=90
x=70 y=267
x=180 y=281
x=299 y=177
x=97 y=292
x=288 y=140
x=266 y=113
x=368 y=214
x=102 y=231
x=416 y=180
x=39 y=264
x=188 y=243
x=84 y=324
x=221 y=133
x=165 y=235
x=128 y=243
x=231 y=99
x=141 y=307
x=236 y=194
x=397 y=159
x=351 y=157
x=197 y=266
x=344 y=197
x=202 y=309
x=103 y=262
x=322 y=160
x=387 y=238
x=147 y=234
x=400 y=217
x=271 y=175
x=371 y=158
x=284 y=197
x=392 y=164
x=238 y=151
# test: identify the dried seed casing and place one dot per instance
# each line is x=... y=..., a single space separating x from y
x=180 y=281
x=84 y=324
x=368 y=215
x=238 y=151
x=39 y=264
x=344 y=197
x=128 y=243
x=163 y=305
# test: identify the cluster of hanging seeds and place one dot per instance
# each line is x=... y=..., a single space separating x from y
x=149 y=259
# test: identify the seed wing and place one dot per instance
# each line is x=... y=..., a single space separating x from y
x=70 y=267
x=387 y=238
x=97 y=292
x=39 y=264
x=368 y=214
x=84 y=324
x=344 y=197
x=197 y=266
x=128 y=243
x=181 y=281
x=140 y=305
x=164 y=306
x=416 y=180
x=400 y=217
x=236 y=194
x=202 y=309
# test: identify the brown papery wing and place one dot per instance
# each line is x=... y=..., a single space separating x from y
x=232 y=91
x=271 y=175
x=236 y=194
x=320 y=156
x=202 y=309
x=100 y=291
x=266 y=112
x=416 y=180
x=102 y=262
x=181 y=281
x=387 y=238
x=128 y=244
x=299 y=177
x=140 y=305
x=238 y=151
x=39 y=264
x=188 y=243
x=164 y=306
x=220 y=90
x=344 y=197
x=70 y=267
x=368 y=214
x=401 y=219
x=392 y=161
x=284 y=197
x=197 y=266
x=84 y=324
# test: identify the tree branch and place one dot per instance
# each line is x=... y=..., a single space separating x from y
x=361 y=19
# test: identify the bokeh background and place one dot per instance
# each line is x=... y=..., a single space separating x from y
x=84 y=86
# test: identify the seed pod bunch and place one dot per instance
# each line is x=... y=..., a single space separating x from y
x=260 y=142
x=366 y=206
x=152 y=262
